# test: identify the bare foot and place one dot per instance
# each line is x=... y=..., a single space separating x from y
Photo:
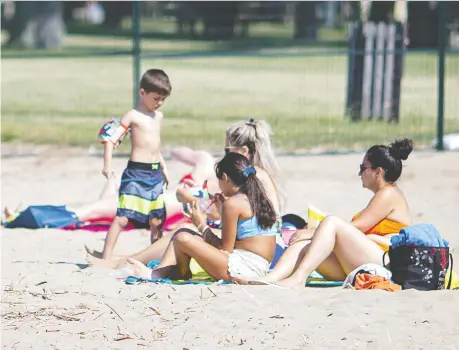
x=7 y=213
x=113 y=263
x=265 y=280
x=99 y=255
x=292 y=282
x=139 y=269
x=92 y=252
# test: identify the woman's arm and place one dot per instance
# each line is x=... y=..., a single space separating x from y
x=184 y=196
x=380 y=206
x=199 y=221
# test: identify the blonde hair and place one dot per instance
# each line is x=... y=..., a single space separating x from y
x=256 y=136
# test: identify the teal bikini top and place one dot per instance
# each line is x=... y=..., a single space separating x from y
x=249 y=228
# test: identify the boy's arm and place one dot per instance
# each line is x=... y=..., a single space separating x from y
x=162 y=164
x=109 y=146
x=108 y=152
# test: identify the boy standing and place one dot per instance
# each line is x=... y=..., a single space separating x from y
x=141 y=191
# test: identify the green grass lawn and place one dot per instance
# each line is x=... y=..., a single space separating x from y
x=64 y=101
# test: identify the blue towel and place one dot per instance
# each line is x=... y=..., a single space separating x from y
x=136 y=280
x=422 y=235
x=314 y=280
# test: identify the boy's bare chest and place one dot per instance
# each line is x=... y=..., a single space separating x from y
x=151 y=127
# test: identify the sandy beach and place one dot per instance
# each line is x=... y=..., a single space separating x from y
x=52 y=300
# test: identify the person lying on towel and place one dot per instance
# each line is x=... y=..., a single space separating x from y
x=103 y=209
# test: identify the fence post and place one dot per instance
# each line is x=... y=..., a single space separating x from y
x=375 y=70
x=441 y=74
x=135 y=25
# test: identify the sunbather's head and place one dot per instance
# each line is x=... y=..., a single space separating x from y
x=252 y=139
x=384 y=163
x=237 y=175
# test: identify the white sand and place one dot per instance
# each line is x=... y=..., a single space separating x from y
x=73 y=308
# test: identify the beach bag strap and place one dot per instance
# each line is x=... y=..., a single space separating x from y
x=384 y=259
x=450 y=272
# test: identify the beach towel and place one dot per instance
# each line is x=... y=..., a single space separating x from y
x=137 y=280
x=102 y=224
x=314 y=280
x=420 y=235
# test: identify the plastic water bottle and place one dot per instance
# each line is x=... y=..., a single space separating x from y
x=204 y=203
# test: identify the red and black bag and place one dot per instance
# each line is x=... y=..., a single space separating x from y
x=421 y=268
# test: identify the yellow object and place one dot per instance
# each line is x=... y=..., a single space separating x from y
x=140 y=205
x=197 y=272
x=315 y=216
x=454 y=279
x=12 y=217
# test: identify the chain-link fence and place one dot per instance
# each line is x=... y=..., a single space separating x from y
x=264 y=62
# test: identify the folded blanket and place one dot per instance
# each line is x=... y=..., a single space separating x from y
x=369 y=281
x=423 y=235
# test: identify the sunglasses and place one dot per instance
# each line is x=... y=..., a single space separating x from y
x=363 y=168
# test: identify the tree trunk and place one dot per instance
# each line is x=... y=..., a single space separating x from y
x=115 y=11
x=381 y=11
x=37 y=25
x=219 y=19
x=422 y=24
x=305 y=20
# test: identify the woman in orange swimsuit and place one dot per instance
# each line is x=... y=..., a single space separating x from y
x=337 y=247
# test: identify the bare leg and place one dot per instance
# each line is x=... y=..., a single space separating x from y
x=168 y=261
x=202 y=161
x=183 y=246
x=112 y=235
x=351 y=247
x=156 y=230
x=155 y=251
x=7 y=213
x=102 y=208
x=287 y=262
x=212 y=260
x=291 y=259
x=114 y=262
x=110 y=188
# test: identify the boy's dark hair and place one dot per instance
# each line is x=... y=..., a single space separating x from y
x=156 y=80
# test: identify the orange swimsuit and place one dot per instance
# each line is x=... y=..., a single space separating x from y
x=384 y=227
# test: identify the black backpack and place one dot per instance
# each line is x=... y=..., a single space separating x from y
x=421 y=268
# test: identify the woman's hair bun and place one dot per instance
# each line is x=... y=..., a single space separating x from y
x=401 y=148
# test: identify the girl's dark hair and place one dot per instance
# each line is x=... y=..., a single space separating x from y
x=238 y=169
x=390 y=158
